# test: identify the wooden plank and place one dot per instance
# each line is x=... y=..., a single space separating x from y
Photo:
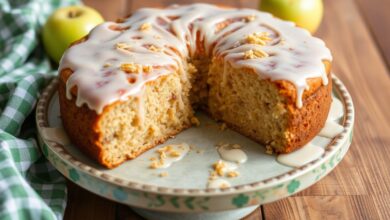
x=85 y=205
x=110 y=10
x=358 y=188
x=255 y=215
x=377 y=16
x=323 y=207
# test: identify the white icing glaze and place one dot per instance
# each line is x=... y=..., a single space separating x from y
x=294 y=55
x=232 y=155
x=182 y=149
x=336 y=109
x=302 y=156
x=218 y=183
x=57 y=135
x=331 y=129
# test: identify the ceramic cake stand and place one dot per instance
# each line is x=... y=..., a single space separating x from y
x=182 y=193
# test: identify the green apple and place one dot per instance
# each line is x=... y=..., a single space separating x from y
x=67 y=25
x=305 y=13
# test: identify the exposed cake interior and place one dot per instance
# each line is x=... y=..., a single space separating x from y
x=145 y=76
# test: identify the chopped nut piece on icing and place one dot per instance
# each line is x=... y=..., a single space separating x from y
x=255 y=53
x=147 y=69
x=233 y=174
x=154 y=48
x=163 y=174
x=258 y=38
x=195 y=121
x=152 y=159
x=269 y=150
x=122 y=46
x=145 y=27
x=107 y=65
x=130 y=68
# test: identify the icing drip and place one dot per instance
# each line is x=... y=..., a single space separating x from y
x=336 y=110
x=158 y=41
x=331 y=129
x=302 y=156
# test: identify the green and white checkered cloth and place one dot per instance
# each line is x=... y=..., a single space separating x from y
x=30 y=188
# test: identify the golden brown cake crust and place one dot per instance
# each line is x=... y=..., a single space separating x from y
x=81 y=123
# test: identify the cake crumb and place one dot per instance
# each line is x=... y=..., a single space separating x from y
x=145 y=27
x=269 y=150
x=233 y=174
x=258 y=38
x=174 y=154
x=222 y=127
x=195 y=121
x=163 y=174
x=213 y=175
x=255 y=53
x=219 y=167
x=156 y=164
x=152 y=159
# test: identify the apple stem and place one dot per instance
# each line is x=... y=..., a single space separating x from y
x=74 y=13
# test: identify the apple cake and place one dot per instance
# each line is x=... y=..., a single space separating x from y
x=132 y=84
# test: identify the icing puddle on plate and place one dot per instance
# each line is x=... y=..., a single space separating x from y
x=168 y=155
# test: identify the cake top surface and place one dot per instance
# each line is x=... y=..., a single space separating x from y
x=118 y=58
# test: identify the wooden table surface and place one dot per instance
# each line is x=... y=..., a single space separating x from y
x=358 y=34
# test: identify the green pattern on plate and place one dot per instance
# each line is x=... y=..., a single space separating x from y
x=240 y=200
x=293 y=186
x=73 y=175
x=188 y=202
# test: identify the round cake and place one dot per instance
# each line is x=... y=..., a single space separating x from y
x=132 y=84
